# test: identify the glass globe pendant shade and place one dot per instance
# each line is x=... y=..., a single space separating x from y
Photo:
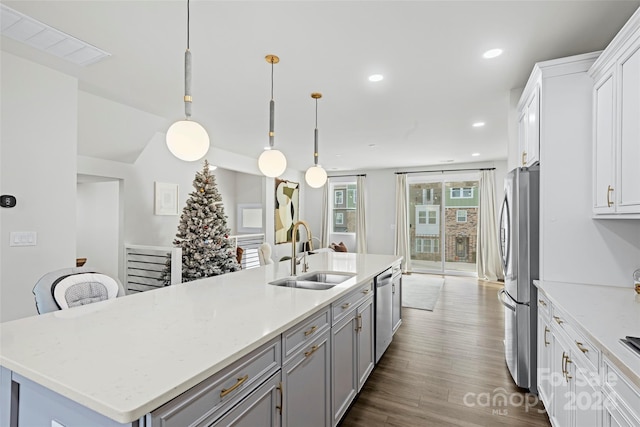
x=187 y=140
x=315 y=176
x=272 y=163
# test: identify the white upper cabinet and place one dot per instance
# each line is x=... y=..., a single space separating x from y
x=616 y=125
x=529 y=123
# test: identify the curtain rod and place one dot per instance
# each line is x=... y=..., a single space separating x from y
x=447 y=170
x=343 y=176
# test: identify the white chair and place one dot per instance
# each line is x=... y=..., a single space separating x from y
x=71 y=287
x=264 y=254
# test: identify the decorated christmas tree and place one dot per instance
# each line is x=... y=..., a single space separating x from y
x=203 y=234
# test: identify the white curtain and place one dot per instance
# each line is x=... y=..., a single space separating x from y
x=402 y=223
x=488 y=257
x=361 y=223
x=326 y=217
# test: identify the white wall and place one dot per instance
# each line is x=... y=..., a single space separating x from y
x=156 y=163
x=576 y=247
x=98 y=225
x=380 y=202
x=38 y=166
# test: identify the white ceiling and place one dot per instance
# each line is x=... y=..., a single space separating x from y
x=430 y=53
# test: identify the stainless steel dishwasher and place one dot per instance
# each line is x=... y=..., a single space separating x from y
x=384 y=312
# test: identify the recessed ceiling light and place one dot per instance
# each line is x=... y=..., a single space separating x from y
x=475 y=154
x=478 y=124
x=376 y=77
x=338 y=155
x=492 y=53
x=372 y=145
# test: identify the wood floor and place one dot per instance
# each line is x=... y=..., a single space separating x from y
x=446 y=368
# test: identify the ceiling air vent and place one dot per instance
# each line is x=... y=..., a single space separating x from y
x=25 y=29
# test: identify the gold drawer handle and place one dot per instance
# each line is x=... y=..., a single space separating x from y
x=310 y=331
x=558 y=320
x=366 y=291
x=542 y=302
x=226 y=391
x=546 y=330
x=524 y=158
x=344 y=306
x=609 y=191
x=581 y=347
x=310 y=352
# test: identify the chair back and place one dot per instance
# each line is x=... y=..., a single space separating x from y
x=264 y=254
x=71 y=287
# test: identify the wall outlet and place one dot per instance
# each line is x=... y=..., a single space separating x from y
x=23 y=238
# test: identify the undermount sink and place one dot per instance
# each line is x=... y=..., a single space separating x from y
x=315 y=281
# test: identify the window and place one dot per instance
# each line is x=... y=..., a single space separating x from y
x=433 y=217
x=461 y=192
x=461 y=215
x=427 y=246
x=422 y=217
x=343 y=211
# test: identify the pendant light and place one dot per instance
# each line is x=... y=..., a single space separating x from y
x=272 y=162
x=187 y=139
x=316 y=176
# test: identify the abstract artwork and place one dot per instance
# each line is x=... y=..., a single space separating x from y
x=287 y=195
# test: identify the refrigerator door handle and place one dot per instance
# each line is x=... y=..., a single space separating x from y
x=501 y=293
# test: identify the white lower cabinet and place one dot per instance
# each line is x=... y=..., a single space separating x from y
x=577 y=384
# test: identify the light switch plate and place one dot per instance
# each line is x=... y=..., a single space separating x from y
x=23 y=238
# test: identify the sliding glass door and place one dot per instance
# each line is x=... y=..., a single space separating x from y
x=443 y=218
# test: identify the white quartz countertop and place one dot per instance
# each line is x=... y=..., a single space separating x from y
x=126 y=357
x=605 y=314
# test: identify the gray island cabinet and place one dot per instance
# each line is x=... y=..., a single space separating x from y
x=231 y=350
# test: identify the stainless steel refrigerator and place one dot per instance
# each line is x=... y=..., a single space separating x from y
x=519 y=249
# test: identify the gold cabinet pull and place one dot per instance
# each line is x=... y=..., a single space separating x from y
x=581 y=347
x=366 y=291
x=344 y=306
x=609 y=191
x=564 y=365
x=524 y=158
x=567 y=376
x=358 y=322
x=546 y=330
x=279 y=407
x=558 y=320
x=310 y=352
x=240 y=381
x=310 y=331
x=542 y=302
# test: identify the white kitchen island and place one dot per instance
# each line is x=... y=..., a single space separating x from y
x=126 y=357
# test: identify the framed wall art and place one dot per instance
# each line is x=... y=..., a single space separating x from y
x=287 y=200
x=166 y=199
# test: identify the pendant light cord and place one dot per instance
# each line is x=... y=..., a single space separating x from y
x=188 y=19
x=272 y=79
